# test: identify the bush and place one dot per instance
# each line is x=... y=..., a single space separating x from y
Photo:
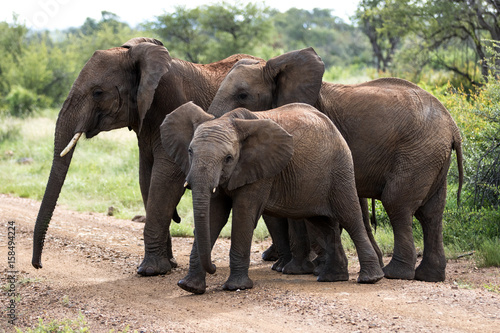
x=489 y=253
x=468 y=228
x=22 y=102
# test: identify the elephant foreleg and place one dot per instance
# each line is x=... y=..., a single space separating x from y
x=165 y=192
x=194 y=281
x=246 y=213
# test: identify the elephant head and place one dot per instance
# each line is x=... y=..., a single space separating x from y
x=292 y=77
x=231 y=151
x=114 y=89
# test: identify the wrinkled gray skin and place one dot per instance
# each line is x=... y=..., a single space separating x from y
x=133 y=86
x=288 y=162
x=401 y=138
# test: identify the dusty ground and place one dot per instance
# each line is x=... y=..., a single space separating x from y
x=89 y=268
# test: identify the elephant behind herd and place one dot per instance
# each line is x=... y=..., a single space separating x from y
x=400 y=138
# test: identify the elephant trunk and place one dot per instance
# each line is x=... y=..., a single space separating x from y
x=201 y=212
x=64 y=134
x=220 y=105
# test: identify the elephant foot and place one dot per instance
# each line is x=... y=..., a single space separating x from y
x=156 y=265
x=371 y=275
x=430 y=273
x=271 y=254
x=240 y=282
x=319 y=264
x=297 y=267
x=280 y=263
x=193 y=284
x=333 y=274
x=398 y=270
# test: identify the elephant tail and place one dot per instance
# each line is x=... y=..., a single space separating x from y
x=457 y=145
x=373 y=219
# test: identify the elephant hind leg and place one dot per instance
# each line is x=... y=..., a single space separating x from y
x=433 y=265
x=366 y=221
x=328 y=238
x=278 y=229
x=301 y=249
x=404 y=258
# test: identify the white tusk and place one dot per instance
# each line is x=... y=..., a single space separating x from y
x=186 y=184
x=71 y=144
x=214 y=190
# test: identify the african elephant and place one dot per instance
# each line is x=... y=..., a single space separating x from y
x=259 y=163
x=401 y=138
x=132 y=86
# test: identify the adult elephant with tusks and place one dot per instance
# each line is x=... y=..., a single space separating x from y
x=134 y=85
x=289 y=162
x=401 y=138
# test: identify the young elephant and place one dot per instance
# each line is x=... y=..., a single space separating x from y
x=287 y=162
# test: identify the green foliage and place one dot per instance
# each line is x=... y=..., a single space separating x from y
x=410 y=37
x=182 y=33
x=338 y=43
x=213 y=32
x=468 y=228
x=489 y=253
x=21 y=101
x=38 y=67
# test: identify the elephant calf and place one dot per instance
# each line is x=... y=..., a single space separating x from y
x=287 y=162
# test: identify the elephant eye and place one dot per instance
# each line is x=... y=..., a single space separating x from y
x=97 y=93
x=228 y=159
x=242 y=96
x=190 y=151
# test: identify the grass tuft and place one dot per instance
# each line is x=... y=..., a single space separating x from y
x=489 y=253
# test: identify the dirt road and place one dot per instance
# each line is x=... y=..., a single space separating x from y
x=90 y=262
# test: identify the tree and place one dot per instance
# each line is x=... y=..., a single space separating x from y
x=373 y=17
x=11 y=45
x=469 y=21
x=182 y=33
x=337 y=42
x=210 y=33
x=449 y=35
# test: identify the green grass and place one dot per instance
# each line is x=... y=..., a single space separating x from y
x=78 y=325
x=103 y=172
x=489 y=254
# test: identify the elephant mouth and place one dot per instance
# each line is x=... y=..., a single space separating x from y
x=90 y=134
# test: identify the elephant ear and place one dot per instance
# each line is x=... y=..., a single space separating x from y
x=265 y=150
x=152 y=61
x=298 y=76
x=177 y=131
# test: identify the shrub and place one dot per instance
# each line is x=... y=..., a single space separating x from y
x=22 y=102
x=489 y=253
x=469 y=228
